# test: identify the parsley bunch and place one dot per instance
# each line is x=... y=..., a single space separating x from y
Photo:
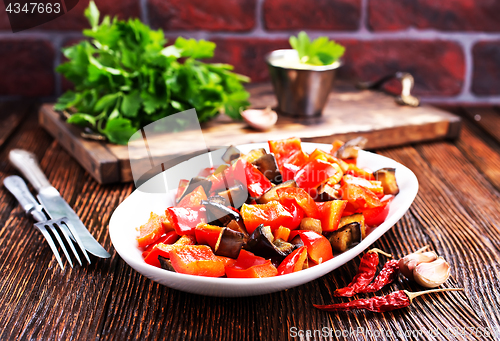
x=125 y=78
x=320 y=51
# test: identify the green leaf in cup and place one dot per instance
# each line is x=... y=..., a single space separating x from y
x=321 y=51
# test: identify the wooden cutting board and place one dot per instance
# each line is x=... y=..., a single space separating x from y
x=348 y=113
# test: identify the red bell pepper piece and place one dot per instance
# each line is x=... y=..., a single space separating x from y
x=301 y=197
x=256 y=182
x=193 y=199
x=206 y=172
x=372 y=185
x=318 y=247
x=288 y=151
x=207 y=234
x=163 y=250
x=197 y=260
x=272 y=214
x=183 y=183
x=293 y=262
x=151 y=231
x=248 y=265
x=358 y=172
x=376 y=216
x=330 y=213
x=245 y=173
x=227 y=179
x=352 y=161
x=313 y=174
x=318 y=154
x=282 y=233
x=168 y=238
x=186 y=219
x=226 y=260
x=288 y=171
x=336 y=146
x=359 y=198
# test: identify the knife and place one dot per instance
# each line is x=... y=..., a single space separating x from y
x=52 y=201
x=16 y=185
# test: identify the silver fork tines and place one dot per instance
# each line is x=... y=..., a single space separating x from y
x=57 y=229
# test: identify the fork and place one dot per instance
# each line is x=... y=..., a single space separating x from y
x=18 y=188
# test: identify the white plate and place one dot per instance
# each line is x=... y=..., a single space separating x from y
x=135 y=210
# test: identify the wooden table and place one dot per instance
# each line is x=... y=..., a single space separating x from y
x=456 y=212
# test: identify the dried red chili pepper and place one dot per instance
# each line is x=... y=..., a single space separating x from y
x=366 y=273
x=379 y=304
x=386 y=276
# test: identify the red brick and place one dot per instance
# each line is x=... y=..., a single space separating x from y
x=456 y=15
x=247 y=54
x=4 y=19
x=486 y=71
x=437 y=66
x=338 y=15
x=27 y=67
x=211 y=15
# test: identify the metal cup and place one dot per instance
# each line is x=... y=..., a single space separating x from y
x=301 y=92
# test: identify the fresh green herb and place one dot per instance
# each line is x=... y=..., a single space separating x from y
x=321 y=51
x=125 y=78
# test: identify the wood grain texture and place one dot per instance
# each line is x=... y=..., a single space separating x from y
x=486 y=118
x=349 y=113
x=11 y=115
x=456 y=212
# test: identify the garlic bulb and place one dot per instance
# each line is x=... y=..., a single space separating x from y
x=408 y=263
x=260 y=119
x=433 y=274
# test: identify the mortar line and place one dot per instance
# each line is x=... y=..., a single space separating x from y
x=363 y=20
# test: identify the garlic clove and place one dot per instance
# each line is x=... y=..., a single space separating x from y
x=408 y=263
x=260 y=119
x=433 y=274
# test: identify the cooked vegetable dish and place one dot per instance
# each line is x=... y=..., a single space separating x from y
x=268 y=214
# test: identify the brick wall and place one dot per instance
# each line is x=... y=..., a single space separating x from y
x=451 y=47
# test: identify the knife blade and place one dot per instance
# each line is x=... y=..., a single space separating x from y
x=51 y=199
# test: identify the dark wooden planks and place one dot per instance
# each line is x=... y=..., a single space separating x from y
x=485 y=117
x=109 y=300
x=458 y=232
x=39 y=300
x=11 y=115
